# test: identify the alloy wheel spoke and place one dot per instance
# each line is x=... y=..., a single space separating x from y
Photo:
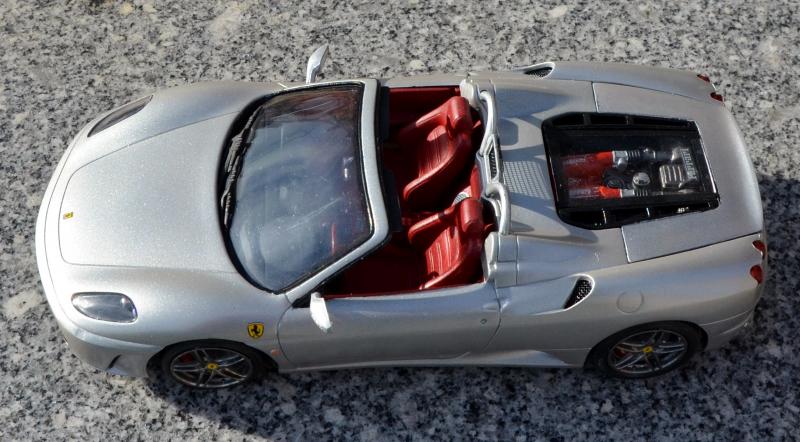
x=206 y=357
x=200 y=355
x=211 y=367
x=649 y=351
x=201 y=378
x=657 y=337
x=192 y=367
x=657 y=361
x=211 y=375
x=629 y=361
x=629 y=347
x=649 y=361
x=229 y=361
x=232 y=374
x=669 y=350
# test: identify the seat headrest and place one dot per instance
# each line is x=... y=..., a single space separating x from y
x=470 y=216
x=459 y=116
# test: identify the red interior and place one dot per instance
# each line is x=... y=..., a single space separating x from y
x=442 y=250
x=407 y=104
x=451 y=242
x=432 y=141
x=428 y=154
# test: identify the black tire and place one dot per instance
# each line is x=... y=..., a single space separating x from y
x=609 y=355
x=213 y=352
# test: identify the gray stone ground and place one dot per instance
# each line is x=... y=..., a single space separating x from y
x=63 y=62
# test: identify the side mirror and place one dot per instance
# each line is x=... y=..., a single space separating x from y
x=315 y=62
x=319 y=312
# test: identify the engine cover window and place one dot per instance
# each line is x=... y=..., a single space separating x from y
x=610 y=170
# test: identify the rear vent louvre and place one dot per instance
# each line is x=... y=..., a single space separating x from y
x=582 y=289
x=492 y=162
x=540 y=72
x=599 y=120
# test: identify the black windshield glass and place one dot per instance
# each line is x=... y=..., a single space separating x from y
x=299 y=199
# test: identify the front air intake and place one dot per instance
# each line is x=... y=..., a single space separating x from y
x=120 y=114
x=581 y=290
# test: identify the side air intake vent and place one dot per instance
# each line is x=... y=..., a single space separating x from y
x=579 y=292
x=540 y=72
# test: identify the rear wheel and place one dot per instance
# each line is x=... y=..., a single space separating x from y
x=647 y=350
x=212 y=364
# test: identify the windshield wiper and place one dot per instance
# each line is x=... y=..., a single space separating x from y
x=227 y=201
x=233 y=168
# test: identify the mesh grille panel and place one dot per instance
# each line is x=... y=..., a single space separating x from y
x=581 y=290
x=493 y=163
x=540 y=72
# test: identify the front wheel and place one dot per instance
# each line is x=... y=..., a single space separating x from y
x=647 y=350
x=211 y=364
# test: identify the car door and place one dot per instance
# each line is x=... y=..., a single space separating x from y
x=419 y=326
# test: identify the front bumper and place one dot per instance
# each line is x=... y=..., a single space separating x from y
x=115 y=356
x=111 y=355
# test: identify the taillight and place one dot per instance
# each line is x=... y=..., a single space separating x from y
x=761 y=247
x=717 y=97
x=757 y=273
x=704 y=78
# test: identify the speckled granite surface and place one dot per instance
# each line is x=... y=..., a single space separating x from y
x=62 y=64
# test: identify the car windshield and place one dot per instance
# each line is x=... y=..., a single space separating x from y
x=299 y=194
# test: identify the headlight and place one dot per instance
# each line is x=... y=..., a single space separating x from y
x=114 y=307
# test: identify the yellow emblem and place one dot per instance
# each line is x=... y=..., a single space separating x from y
x=255 y=329
x=68 y=215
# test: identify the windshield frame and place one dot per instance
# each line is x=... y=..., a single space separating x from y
x=371 y=182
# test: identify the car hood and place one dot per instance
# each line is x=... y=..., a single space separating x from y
x=141 y=193
x=167 y=110
x=150 y=204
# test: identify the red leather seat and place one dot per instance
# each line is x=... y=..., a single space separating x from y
x=439 y=146
x=451 y=241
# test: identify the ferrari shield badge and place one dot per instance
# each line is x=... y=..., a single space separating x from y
x=255 y=329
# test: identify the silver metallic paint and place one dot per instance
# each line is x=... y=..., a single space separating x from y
x=673 y=81
x=739 y=212
x=315 y=63
x=182 y=292
x=157 y=225
x=434 y=324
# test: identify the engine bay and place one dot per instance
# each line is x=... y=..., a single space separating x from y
x=628 y=173
x=612 y=170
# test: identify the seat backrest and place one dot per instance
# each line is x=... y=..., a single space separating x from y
x=441 y=142
x=451 y=242
x=459 y=115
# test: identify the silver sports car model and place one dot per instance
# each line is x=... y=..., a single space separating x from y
x=556 y=215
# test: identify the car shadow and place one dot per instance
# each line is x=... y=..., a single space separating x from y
x=514 y=403
x=381 y=403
